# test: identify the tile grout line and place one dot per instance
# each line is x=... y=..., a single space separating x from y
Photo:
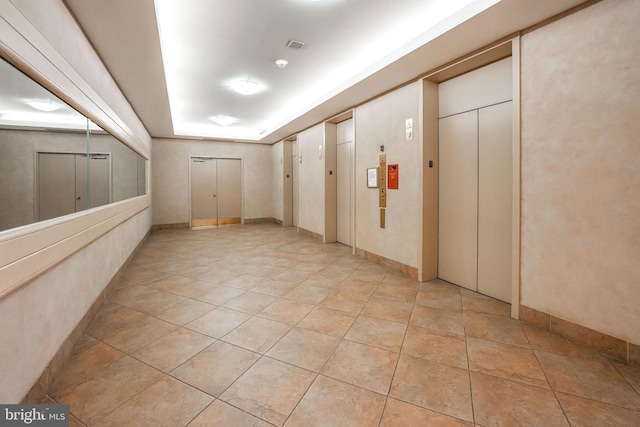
x=555 y=395
x=395 y=368
x=466 y=348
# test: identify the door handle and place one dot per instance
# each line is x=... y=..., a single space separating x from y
x=77 y=197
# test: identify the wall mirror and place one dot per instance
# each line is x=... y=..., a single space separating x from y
x=53 y=160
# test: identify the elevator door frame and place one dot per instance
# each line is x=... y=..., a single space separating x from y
x=191 y=157
x=429 y=119
x=513 y=91
x=344 y=220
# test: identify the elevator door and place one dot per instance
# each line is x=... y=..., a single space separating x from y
x=458 y=204
x=475 y=180
x=495 y=200
x=216 y=191
x=344 y=181
x=475 y=200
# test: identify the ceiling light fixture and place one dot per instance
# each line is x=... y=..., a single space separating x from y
x=281 y=63
x=246 y=87
x=223 y=120
x=46 y=105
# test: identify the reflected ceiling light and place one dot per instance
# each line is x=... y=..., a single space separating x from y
x=246 y=87
x=281 y=63
x=223 y=120
x=44 y=105
x=44 y=119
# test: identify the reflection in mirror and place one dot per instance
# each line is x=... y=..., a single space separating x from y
x=53 y=160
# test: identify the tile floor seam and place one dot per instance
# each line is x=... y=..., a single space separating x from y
x=624 y=377
x=320 y=372
x=218 y=338
x=255 y=316
x=359 y=312
x=605 y=357
x=262 y=356
x=301 y=398
x=106 y=414
x=599 y=402
x=395 y=368
x=429 y=409
x=466 y=348
x=555 y=395
x=244 y=411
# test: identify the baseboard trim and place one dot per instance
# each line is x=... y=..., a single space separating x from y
x=60 y=359
x=399 y=267
x=316 y=236
x=262 y=221
x=182 y=225
x=615 y=348
x=175 y=226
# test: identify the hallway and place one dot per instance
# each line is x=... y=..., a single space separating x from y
x=257 y=325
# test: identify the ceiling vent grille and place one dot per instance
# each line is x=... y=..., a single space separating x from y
x=295 y=44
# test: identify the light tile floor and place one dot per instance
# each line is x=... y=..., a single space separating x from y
x=257 y=325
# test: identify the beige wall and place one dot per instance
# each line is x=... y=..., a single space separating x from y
x=38 y=317
x=581 y=169
x=382 y=122
x=311 y=201
x=171 y=177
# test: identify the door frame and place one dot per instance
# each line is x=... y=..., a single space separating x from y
x=509 y=46
x=348 y=115
x=36 y=175
x=206 y=156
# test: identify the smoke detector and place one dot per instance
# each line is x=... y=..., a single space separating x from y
x=281 y=63
x=295 y=44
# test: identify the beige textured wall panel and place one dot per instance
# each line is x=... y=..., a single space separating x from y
x=382 y=122
x=171 y=177
x=580 y=168
x=311 y=207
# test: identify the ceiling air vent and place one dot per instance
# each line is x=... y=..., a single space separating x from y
x=295 y=44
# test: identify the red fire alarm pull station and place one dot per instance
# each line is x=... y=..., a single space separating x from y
x=392 y=180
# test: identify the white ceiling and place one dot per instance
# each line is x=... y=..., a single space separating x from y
x=177 y=77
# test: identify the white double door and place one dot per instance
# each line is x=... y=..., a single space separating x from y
x=216 y=191
x=475 y=195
